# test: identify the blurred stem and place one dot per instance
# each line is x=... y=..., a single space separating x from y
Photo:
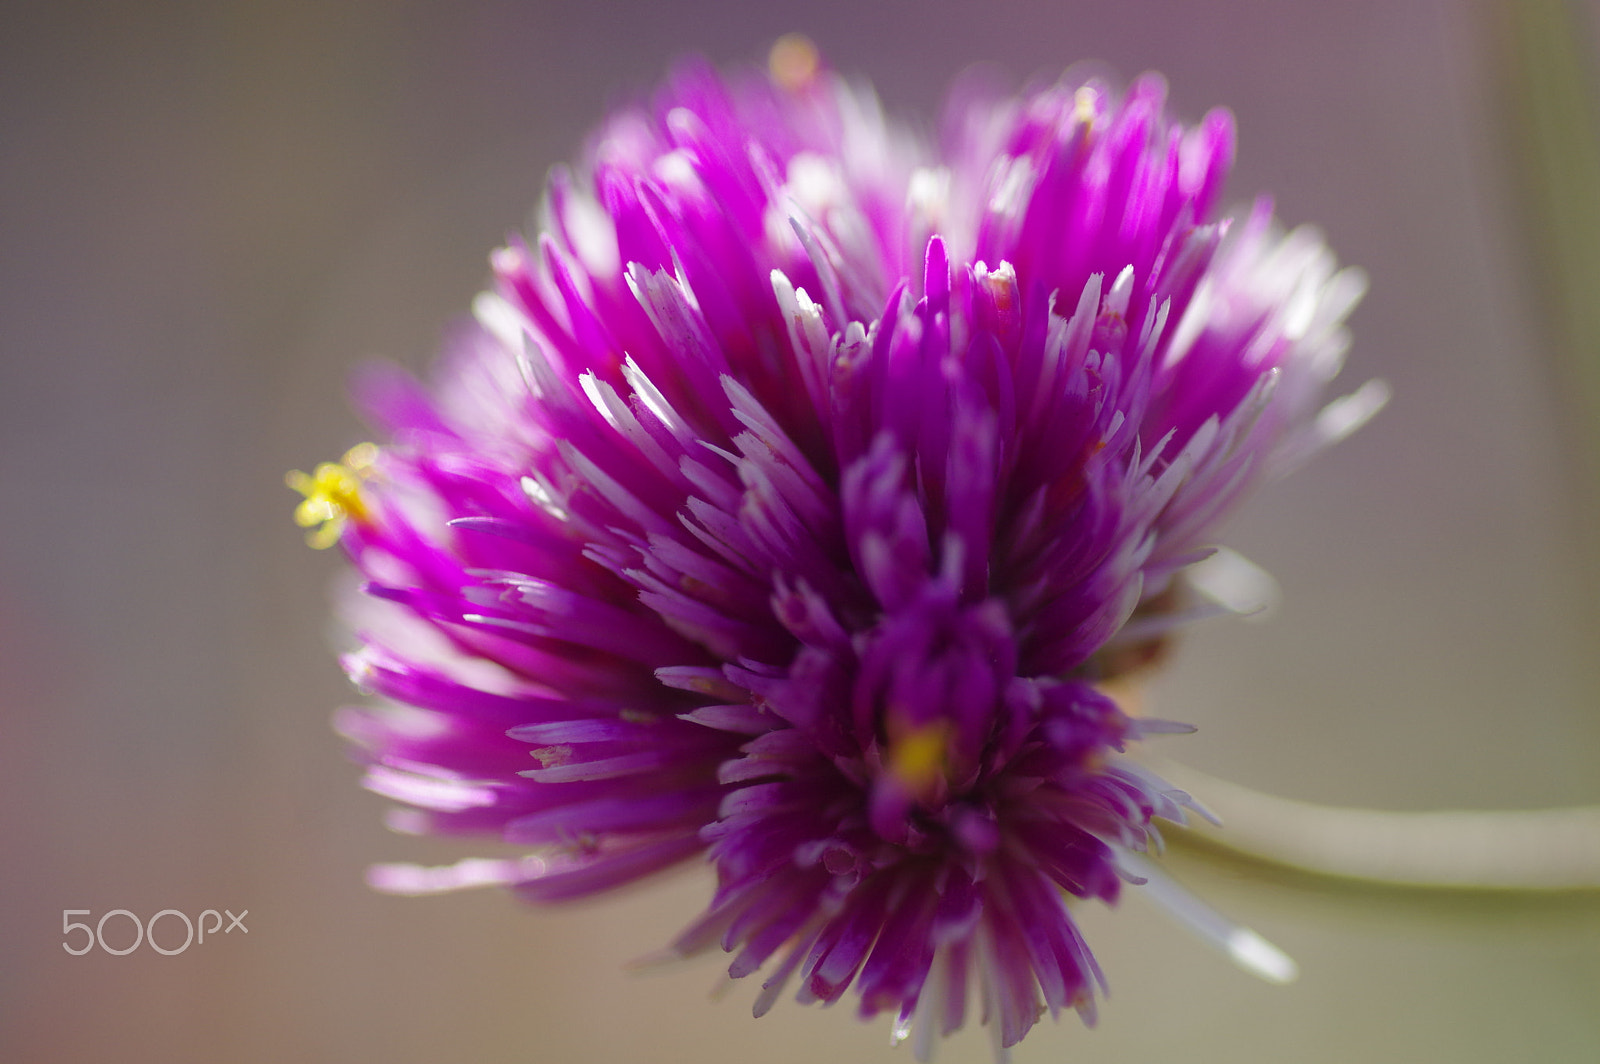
x=1539 y=850
x=1546 y=93
x=1541 y=55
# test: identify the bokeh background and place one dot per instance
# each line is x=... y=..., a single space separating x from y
x=210 y=212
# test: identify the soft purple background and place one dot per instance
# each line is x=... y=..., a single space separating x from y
x=209 y=212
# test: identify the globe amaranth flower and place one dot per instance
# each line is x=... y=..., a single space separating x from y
x=792 y=498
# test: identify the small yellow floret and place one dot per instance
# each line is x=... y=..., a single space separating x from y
x=332 y=495
x=793 y=62
x=919 y=756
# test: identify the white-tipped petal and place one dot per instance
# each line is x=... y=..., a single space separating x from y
x=1243 y=946
x=1235 y=583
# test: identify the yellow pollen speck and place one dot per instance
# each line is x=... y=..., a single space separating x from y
x=793 y=61
x=332 y=495
x=918 y=756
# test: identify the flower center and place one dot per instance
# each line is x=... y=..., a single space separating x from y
x=919 y=757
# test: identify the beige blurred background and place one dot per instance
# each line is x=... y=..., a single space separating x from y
x=210 y=212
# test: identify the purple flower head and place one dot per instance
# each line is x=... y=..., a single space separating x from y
x=792 y=498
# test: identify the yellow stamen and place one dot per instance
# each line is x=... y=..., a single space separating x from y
x=332 y=495
x=919 y=756
x=1084 y=109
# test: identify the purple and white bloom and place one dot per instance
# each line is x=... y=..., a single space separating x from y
x=791 y=499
